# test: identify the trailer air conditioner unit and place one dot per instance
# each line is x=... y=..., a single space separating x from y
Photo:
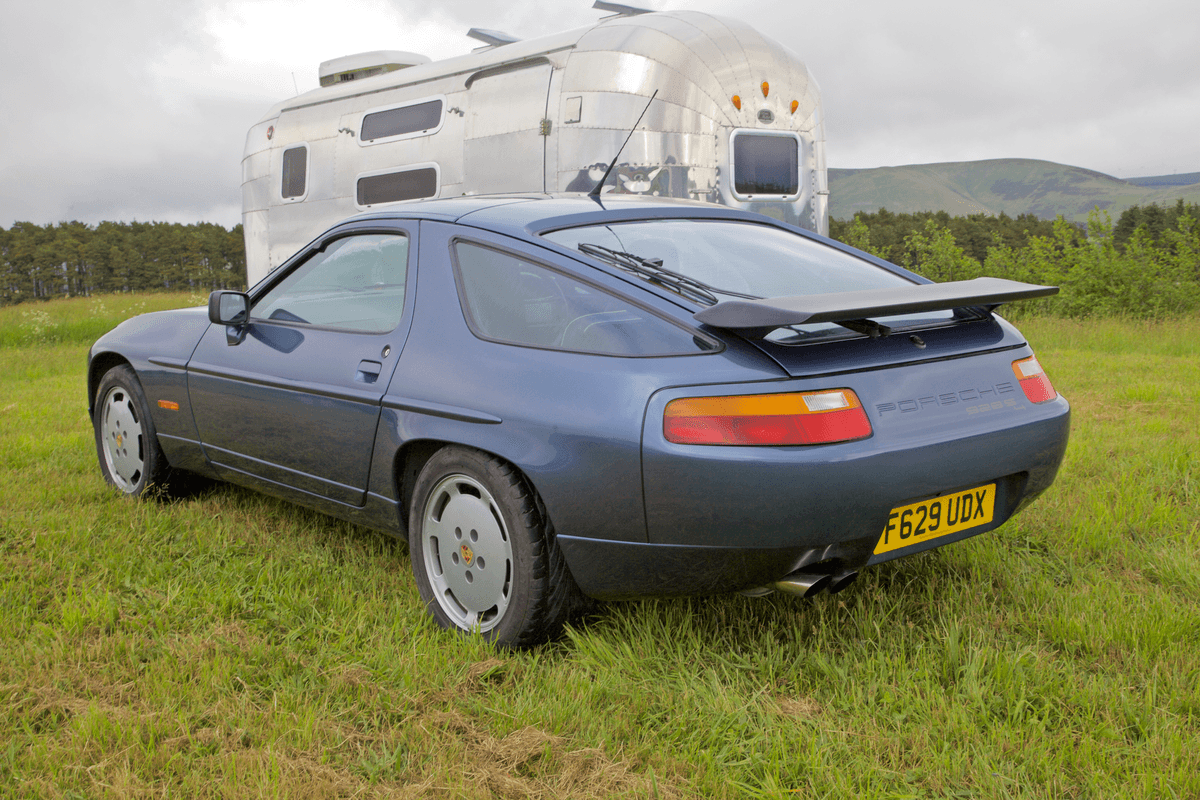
x=364 y=65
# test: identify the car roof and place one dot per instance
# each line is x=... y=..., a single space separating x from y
x=528 y=215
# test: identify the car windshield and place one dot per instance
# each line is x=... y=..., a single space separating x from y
x=736 y=259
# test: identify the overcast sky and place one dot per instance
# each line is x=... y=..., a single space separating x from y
x=138 y=109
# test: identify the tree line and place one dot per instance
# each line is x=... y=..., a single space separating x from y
x=71 y=259
x=1145 y=265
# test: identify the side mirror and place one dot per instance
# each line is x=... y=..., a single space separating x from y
x=228 y=308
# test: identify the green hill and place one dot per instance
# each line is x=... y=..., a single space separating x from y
x=1009 y=185
x=1183 y=179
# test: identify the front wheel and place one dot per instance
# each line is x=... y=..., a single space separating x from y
x=483 y=552
x=126 y=442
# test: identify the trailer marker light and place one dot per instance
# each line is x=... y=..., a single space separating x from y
x=737 y=102
x=766 y=87
x=795 y=105
x=799 y=418
x=1033 y=380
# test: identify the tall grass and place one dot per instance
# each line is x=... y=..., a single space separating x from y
x=230 y=645
x=81 y=320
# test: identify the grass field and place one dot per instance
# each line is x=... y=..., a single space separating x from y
x=233 y=646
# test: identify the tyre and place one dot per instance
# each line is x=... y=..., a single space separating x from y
x=126 y=442
x=483 y=551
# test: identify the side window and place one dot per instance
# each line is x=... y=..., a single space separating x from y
x=414 y=119
x=356 y=283
x=295 y=173
x=512 y=300
x=391 y=187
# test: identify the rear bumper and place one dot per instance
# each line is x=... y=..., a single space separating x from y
x=610 y=570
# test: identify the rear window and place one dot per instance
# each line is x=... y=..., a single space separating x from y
x=766 y=165
x=751 y=259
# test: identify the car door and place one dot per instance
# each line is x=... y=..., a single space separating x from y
x=292 y=398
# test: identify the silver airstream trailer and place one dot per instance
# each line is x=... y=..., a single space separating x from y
x=736 y=120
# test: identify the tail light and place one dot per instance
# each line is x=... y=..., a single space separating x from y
x=1033 y=380
x=767 y=419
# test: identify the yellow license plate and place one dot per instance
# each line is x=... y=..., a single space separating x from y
x=937 y=517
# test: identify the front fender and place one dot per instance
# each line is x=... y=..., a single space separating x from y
x=157 y=346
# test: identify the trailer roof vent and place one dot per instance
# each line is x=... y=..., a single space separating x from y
x=491 y=38
x=621 y=10
x=364 y=65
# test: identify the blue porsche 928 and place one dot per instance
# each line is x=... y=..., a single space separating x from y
x=556 y=396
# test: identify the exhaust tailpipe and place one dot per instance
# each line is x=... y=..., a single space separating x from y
x=840 y=581
x=804 y=584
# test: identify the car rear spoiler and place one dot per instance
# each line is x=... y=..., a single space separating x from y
x=854 y=310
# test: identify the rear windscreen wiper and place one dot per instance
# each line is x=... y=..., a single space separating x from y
x=652 y=270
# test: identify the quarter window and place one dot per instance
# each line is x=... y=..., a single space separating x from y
x=512 y=300
x=356 y=283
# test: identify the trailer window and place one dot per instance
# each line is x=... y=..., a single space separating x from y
x=416 y=118
x=295 y=172
x=391 y=187
x=765 y=164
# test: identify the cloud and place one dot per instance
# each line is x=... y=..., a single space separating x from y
x=94 y=108
x=1089 y=84
x=139 y=109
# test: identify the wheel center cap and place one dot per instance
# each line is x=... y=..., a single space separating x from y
x=467 y=554
x=119 y=440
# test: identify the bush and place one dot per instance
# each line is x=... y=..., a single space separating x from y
x=1151 y=274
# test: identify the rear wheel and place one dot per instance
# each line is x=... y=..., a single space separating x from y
x=483 y=552
x=126 y=442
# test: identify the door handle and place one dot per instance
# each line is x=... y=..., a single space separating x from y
x=368 y=371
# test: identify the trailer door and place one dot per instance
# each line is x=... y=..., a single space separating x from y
x=504 y=149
